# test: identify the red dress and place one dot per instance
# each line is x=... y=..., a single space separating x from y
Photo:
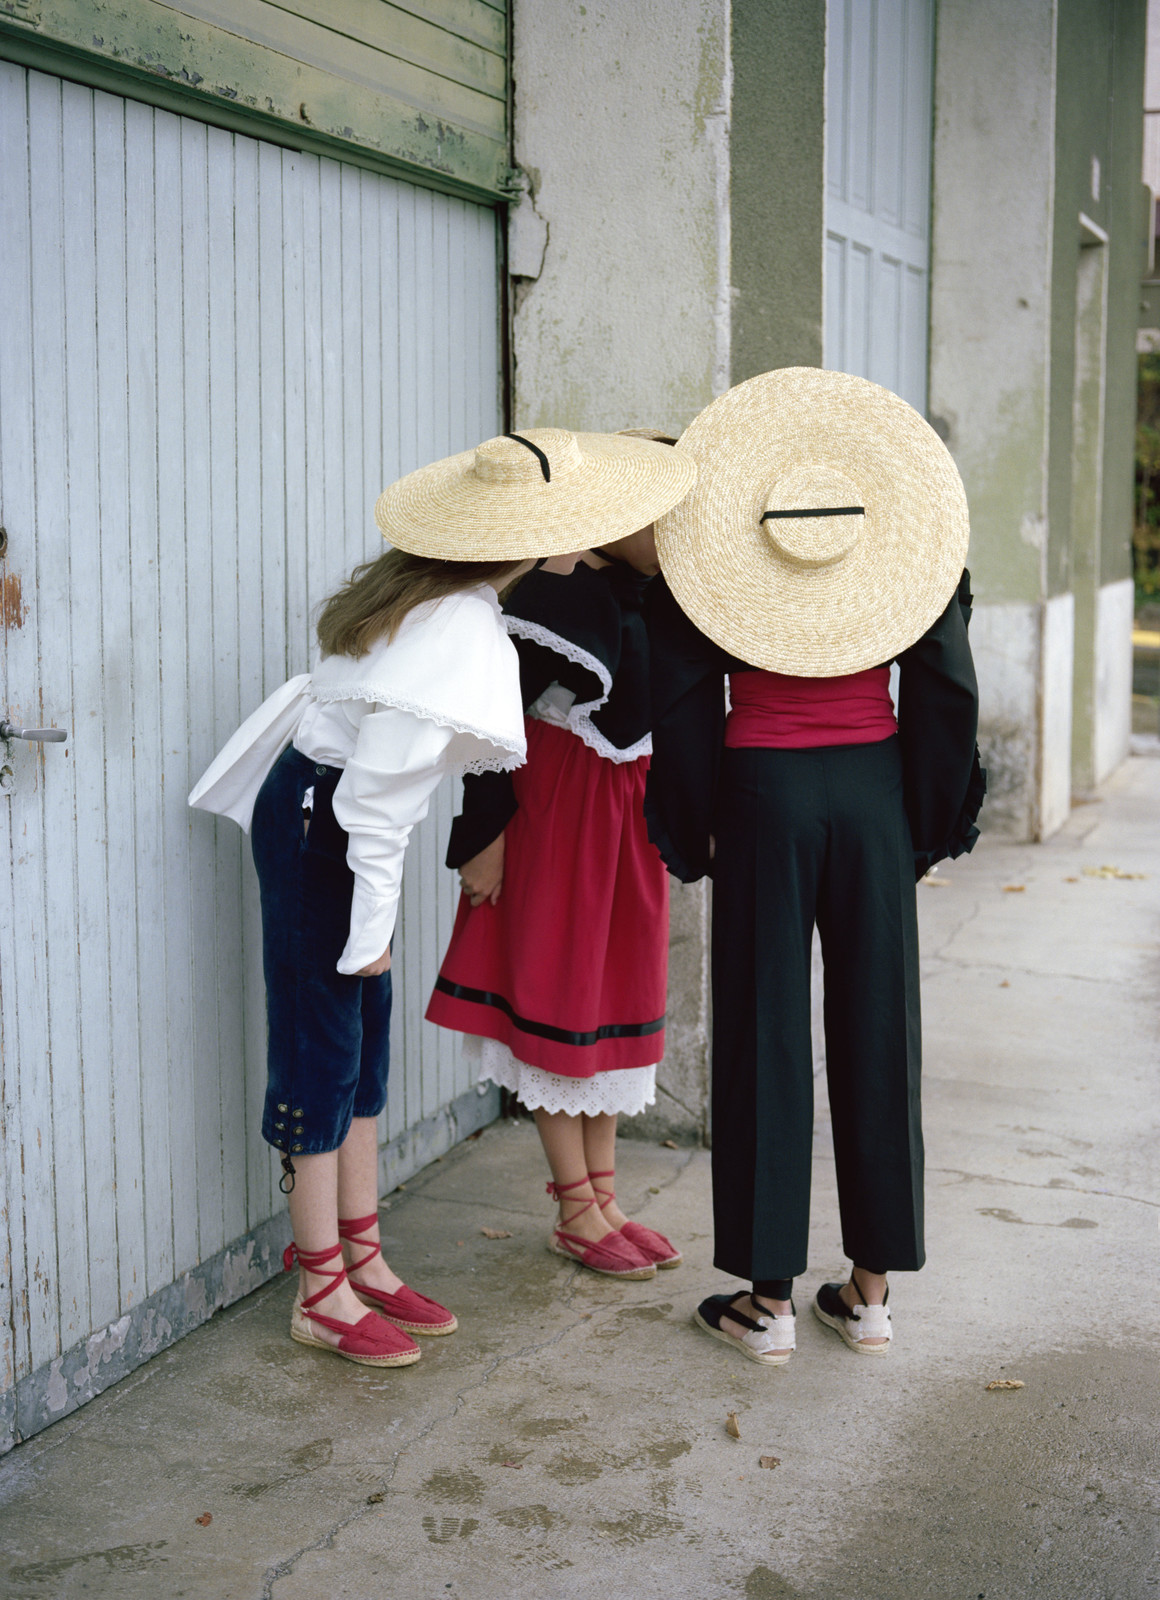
x=568 y=971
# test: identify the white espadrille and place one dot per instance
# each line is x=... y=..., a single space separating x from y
x=769 y=1340
x=855 y=1326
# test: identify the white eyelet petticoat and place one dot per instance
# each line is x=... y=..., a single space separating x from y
x=626 y=1091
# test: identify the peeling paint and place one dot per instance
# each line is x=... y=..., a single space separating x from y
x=12 y=607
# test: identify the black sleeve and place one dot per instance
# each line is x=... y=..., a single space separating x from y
x=938 y=721
x=688 y=730
x=489 y=804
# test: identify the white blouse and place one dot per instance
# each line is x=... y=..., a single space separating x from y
x=442 y=696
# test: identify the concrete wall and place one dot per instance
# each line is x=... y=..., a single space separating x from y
x=668 y=244
x=993 y=186
x=623 y=133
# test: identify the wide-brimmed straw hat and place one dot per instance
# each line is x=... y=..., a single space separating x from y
x=828 y=527
x=542 y=492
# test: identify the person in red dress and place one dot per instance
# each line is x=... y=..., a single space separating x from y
x=558 y=962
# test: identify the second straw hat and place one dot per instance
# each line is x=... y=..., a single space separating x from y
x=828 y=528
x=542 y=492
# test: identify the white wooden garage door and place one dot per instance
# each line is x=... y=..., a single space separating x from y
x=878 y=146
x=213 y=354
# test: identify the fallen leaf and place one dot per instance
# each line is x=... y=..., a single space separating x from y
x=516 y=1466
x=1006 y=1383
x=1111 y=872
x=204 y=1520
x=459 y=1243
x=376 y=1499
x=1014 y=888
x=769 y=1461
x=654 y=1191
x=495 y=1233
x=731 y=1426
x=1071 y=880
x=478 y=1134
x=400 y=1186
x=669 y=1144
x=1006 y=984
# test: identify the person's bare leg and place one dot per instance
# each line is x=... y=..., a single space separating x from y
x=358 y=1196
x=866 y=1289
x=600 y=1155
x=314 y=1218
x=562 y=1137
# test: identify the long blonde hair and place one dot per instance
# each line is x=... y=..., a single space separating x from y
x=378 y=595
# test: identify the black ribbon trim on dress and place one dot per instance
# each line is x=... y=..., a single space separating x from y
x=544 y=1030
x=545 y=464
x=821 y=511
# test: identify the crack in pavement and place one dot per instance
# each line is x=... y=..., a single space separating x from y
x=1035 y=972
x=1047 y=1188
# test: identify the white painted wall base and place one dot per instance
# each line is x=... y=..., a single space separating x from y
x=1115 y=604
x=1057 y=663
x=1005 y=641
x=1024 y=657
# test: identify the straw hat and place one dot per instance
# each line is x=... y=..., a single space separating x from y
x=828 y=528
x=542 y=492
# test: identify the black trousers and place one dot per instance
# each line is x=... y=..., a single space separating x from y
x=807 y=836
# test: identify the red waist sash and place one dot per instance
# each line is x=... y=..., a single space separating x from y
x=770 y=710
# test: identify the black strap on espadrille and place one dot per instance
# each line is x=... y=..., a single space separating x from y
x=721 y=1305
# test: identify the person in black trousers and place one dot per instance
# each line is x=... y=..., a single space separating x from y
x=825 y=540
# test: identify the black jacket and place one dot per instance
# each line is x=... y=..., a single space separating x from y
x=587 y=633
x=938 y=714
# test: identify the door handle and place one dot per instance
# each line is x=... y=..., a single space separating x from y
x=43 y=735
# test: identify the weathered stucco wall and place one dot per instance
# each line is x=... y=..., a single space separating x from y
x=1036 y=255
x=624 y=135
x=990 y=277
x=993 y=187
x=621 y=304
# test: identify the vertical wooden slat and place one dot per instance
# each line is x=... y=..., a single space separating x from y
x=49 y=592
x=314 y=399
x=242 y=1093
x=117 y=867
x=145 y=763
x=270 y=536
x=178 y=477
x=220 y=1074
x=23 y=947
x=203 y=667
x=89 y=711
x=333 y=565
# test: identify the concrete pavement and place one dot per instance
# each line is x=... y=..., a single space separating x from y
x=570 y=1440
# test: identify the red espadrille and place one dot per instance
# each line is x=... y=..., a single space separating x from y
x=613 y=1255
x=371 y=1341
x=406 y=1308
x=651 y=1244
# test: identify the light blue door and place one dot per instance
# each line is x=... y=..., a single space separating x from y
x=878 y=152
x=214 y=353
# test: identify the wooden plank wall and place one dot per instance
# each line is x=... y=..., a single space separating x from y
x=214 y=354
x=878 y=148
x=406 y=83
